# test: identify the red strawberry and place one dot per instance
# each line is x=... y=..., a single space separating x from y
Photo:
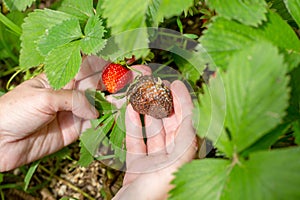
x=115 y=77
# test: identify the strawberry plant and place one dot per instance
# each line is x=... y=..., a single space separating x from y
x=244 y=69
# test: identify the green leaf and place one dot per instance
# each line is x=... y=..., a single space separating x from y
x=92 y=137
x=200 y=179
x=35 y=25
x=280 y=8
x=251 y=86
x=99 y=9
x=248 y=12
x=266 y=175
x=249 y=110
x=224 y=38
x=30 y=173
x=19 y=5
x=186 y=68
x=296 y=128
x=80 y=9
x=293 y=7
x=58 y=35
x=97 y=99
x=10 y=24
x=170 y=8
x=209 y=115
x=151 y=13
x=93 y=40
x=62 y=64
x=10 y=41
x=127 y=25
x=294 y=104
x=125 y=16
x=266 y=141
x=1 y=177
x=117 y=135
x=86 y=158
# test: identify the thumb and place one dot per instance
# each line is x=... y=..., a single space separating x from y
x=73 y=100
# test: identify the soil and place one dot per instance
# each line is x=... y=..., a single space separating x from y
x=56 y=178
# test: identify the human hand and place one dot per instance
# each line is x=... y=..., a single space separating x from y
x=37 y=120
x=171 y=142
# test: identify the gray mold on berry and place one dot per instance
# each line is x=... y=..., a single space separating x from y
x=150 y=96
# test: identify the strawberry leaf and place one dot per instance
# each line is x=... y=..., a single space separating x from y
x=93 y=41
x=151 y=13
x=117 y=135
x=168 y=8
x=19 y=5
x=92 y=137
x=238 y=36
x=98 y=99
x=293 y=7
x=266 y=141
x=296 y=129
x=249 y=12
x=127 y=25
x=249 y=73
x=209 y=115
x=186 y=68
x=280 y=8
x=86 y=158
x=62 y=64
x=82 y=10
x=124 y=16
x=226 y=122
x=36 y=25
x=260 y=177
x=59 y=34
x=294 y=107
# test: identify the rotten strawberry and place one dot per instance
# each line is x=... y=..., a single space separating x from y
x=115 y=77
x=150 y=96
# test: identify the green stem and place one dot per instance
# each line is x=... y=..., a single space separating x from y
x=10 y=71
x=12 y=26
x=11 y=78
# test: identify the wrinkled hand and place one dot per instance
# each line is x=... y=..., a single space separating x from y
x=171 y=142
x=37 y=120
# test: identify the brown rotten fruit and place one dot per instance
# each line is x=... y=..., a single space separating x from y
x=150 y=96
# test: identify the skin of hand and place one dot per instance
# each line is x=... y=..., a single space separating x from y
x=171 y=142
x=37 y=120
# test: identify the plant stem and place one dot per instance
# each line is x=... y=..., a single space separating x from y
x=73 y=187
x=12 y=26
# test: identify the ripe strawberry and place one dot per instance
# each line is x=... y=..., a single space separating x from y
x=115 y=77
x=150 y=96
